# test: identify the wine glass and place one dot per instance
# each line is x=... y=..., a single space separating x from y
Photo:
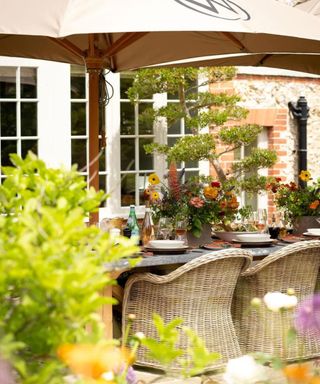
x=181 y=230
x=262 y=221
x=164 y=228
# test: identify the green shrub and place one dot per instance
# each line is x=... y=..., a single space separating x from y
x=51 y=266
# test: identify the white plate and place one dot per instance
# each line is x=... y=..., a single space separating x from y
x=254 y=242
x=311 y=234
x=166 y=244
x=253 y=238
x=314 y=231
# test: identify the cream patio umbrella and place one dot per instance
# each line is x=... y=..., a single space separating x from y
x=128 y=34
x=298 y=61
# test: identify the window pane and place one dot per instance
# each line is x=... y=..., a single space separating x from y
x=103 y=182
x=7 y=147
x=172 y=141
x=125 y=83
x=28 y=85
x=29 y=119
x=127 y=119
x=8 y=119
x=102 y=161
x=7 y=82
x=189 y=174
x=143 y=183
x=146 y=161
x=128 y=190
x=192 y=164
x=78 y=118
x=174 y=128
x=78 y=82
x=251 y=200
x=145 y=128
x=79 y=153
x=127 y=154
x=29 y=145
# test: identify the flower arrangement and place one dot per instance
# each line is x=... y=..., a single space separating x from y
x=199 y=200
x=297 y=201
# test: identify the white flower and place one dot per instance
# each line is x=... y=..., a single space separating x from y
x=277 y=300
x=140 y=335
x=108 y=376
x=244 y=370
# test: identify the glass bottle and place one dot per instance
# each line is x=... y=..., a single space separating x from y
x=147 y=231
x=132 y=223
x=274 y=228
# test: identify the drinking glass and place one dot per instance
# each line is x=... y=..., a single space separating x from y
x=181 y=231
x=164 y=228
x=262 y=221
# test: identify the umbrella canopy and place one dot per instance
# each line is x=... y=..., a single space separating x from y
x=304 y=62
x=128 y=34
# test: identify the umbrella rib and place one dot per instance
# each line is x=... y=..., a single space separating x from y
x=264 y=58
x=68 y=46
x=123 y=42
x=230 y=37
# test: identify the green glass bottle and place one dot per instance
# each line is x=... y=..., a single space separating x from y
x=132 y=223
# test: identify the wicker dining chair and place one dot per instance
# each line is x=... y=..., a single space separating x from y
x=261 y=330
x=200 y=292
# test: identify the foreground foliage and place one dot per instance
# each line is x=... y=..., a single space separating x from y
x=52 y=267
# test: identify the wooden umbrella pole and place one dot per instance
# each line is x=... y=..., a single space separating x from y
x=94 y=67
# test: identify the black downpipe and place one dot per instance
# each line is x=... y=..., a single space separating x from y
x=300 y=111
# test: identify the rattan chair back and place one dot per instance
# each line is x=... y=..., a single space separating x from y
x=200 y=292
x=261 y=330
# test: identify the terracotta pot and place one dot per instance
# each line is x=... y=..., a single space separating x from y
x=205 y=237
x=301 y=224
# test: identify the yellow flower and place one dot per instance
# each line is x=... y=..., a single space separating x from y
x=154 y=196
x=210 y=192
x=305 y=175
x=153 y=179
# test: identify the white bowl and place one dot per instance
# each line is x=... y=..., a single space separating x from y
x=253 y=237
x=229 y=235
x=315 y=231
x=167 y=244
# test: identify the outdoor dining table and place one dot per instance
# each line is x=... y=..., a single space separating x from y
x=164 y=261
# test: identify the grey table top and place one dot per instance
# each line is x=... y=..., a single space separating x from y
x=182 y=258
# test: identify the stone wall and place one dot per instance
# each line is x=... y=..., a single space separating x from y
x=274 y=92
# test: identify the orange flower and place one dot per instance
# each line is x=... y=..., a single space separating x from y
x=223 y=204
x=314 y=380
x=314 y=204
x=210 y=193
x=298 y=372
x=94 y=360
x=233 y=204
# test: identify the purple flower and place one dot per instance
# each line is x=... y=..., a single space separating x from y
x=307 y=317
x=131 y=376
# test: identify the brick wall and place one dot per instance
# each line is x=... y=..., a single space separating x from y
x=267 y=99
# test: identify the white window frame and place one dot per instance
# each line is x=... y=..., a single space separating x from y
x=54 y=120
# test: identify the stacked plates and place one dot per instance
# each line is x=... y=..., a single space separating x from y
x=254 y=238
x=166 y=246
x=312 y=232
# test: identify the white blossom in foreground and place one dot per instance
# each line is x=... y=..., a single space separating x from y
x=277 y=300
x=244 y=370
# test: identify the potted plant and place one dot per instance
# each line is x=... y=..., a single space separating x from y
x=301 y=205
x=202 y=201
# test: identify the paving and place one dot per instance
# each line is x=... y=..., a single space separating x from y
x=146 y=377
